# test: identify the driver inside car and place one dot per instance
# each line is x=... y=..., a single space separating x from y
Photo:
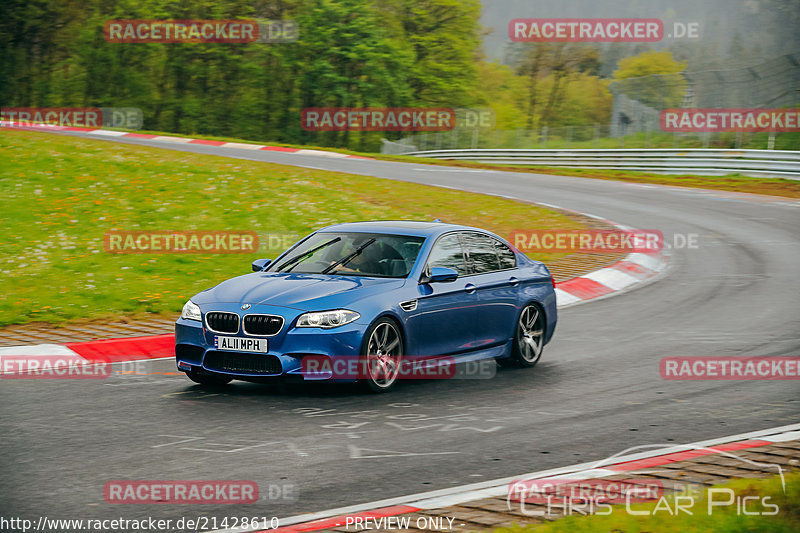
x=366 y=262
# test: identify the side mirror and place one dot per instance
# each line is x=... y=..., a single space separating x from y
x=441 y=275
x=260 y=264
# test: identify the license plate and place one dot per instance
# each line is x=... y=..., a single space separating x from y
x=240 y=344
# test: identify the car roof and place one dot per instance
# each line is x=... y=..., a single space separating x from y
x=399 y=227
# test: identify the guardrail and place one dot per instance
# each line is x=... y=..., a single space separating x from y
x=714 y=162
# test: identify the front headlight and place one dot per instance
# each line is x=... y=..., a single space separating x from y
x=327 y=319
x=191 y=311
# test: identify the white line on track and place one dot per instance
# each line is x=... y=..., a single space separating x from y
x=563 y=298
x=243 y=146
x=612 y=278
x=36 y=350
x=550 y=205
x=454 y=170
x=109 y=133
x=168 y=138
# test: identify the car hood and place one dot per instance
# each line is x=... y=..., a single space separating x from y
x=299 y=291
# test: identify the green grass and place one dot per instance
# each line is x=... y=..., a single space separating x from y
x=61 y=195
x=721 y=519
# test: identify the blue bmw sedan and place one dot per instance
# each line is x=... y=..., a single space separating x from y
x=378 y=292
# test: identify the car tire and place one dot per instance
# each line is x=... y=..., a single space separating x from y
x=381 y=354
x=528 y=343
x=212 y=380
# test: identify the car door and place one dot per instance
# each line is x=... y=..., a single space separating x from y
x=492 y=268
x=444 y=320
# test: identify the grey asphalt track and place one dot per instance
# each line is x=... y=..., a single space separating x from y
x=596 y=392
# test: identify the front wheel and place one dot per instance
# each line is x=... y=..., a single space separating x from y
x=208 y=379
x=382 y=353
x=528 y=338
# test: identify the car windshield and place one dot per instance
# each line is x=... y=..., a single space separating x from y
x=353 y=254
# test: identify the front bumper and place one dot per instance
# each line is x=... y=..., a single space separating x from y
x=195 y=349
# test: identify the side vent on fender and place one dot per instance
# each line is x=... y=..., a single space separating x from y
x=410 y=305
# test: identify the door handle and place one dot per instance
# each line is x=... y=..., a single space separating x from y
x=513 y=281
x=470 y=288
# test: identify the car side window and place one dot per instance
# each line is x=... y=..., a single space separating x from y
x=508 y=259
x=481 y=256
x=447 y=252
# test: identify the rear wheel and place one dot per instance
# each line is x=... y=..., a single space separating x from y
x=528 y=338
x=382 y=353
x=208 y=379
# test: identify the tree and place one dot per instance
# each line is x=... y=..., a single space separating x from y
x=652 y=78
x=445 y=38
x=504 y=92
x=560 y=62
x=346 y=58
x=531 y=65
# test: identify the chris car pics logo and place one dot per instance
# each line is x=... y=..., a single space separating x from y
x=632 y=476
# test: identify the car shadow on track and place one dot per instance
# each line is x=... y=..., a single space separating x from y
x=409 y=388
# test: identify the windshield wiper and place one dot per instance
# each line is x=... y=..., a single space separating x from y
x=348 y=257
x=297 y=258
